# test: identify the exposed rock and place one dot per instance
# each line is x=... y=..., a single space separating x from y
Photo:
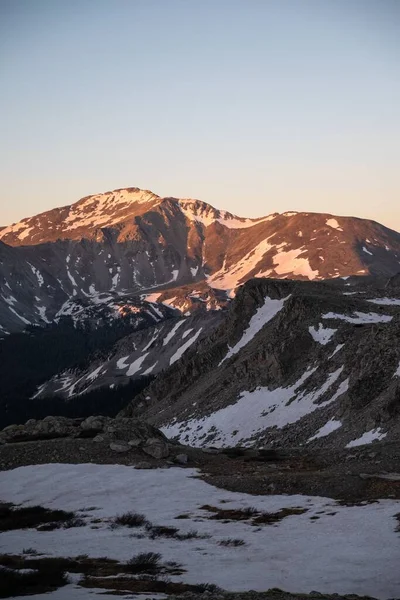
x=156 y=447
x=120 y=447
x=100 y=438
x=95 y=422
x=292 y=359
x=135 y=443
x=144 y=465
x=122 y=434
x=127 y=429
x=182 y=459
x=49 y=427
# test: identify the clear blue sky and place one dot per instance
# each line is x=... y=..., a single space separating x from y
x=252 y=105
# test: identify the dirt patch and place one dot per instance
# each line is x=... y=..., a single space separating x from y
x=254 y=516
x=146 y=585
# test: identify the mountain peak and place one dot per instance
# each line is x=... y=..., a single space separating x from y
x=81 y=218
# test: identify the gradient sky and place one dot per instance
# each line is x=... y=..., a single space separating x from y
x=255 y=106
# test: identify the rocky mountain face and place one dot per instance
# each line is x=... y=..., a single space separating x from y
x=130 y=242
x=294 y=363
x=145 y=352
x=126 y=286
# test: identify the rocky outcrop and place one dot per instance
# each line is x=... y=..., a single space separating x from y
x=121 y=434
x=294 y=363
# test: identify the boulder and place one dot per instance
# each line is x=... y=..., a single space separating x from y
x=101 y=438
x=127 y=432
x=96 y=422
x=156 y=447
x=127 y=429
x=181 y=459
x=48 y=428
x=211 y=451
x=57 y=426
x=135 y=443
x=119 y=447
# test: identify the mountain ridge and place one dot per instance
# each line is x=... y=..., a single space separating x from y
x=293 y=363
x=132 y=241
x=201 y=212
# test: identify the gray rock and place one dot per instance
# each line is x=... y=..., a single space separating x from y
x=135 y=443
x=120 y=447
x=182 y=459
x=156 y=447
x=95 y=422
x=125 y=432
x=144 y=465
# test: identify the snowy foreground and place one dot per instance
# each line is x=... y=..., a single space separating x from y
x=345 y=550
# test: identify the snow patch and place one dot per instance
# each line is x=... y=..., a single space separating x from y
x=359 y=318
x=321 y=335
x=42 y=312
x=121 y=362
x=263 y=315
x=334 y=224
x=254 y=412
x=229 y=278
x=94 y=374
x=385 y=301
x=136 y=366
x=397 y=373
x=336 y=350
x=286 y=263
x=171 y=334
x=367 y=438
x=184 y=347
x=328 y=428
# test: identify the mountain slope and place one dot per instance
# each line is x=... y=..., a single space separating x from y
x=147 y=351
x=131 y=241
x=294 y=363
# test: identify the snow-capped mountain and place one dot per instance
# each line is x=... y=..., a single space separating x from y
x=131 y=241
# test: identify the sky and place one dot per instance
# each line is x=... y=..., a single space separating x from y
x=254 y=106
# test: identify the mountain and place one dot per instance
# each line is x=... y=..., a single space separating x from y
x=294 y=363
x=126 y=286
x=148 y=351
x=131 y=241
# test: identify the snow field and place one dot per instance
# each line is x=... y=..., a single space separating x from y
x=351 y=550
